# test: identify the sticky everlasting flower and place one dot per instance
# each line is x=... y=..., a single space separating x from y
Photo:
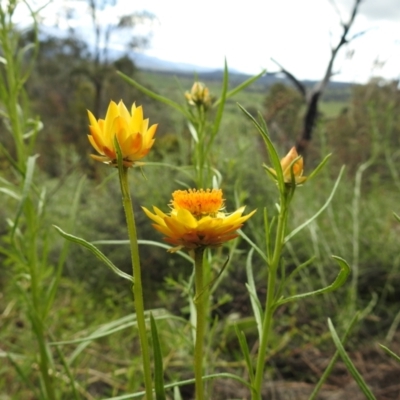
x=196 y=219
x=297 y=167
x=199 y=95
x=134 y=136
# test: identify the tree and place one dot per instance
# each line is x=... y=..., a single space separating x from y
x=105 y=25
x=312 y=96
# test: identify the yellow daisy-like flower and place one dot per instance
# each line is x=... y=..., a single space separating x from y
x=196 y=219
x=297 y=167
x=135 y=138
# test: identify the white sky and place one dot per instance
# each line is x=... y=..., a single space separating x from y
x=297 y=33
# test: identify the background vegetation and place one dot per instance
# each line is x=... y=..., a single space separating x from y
x=359 y=124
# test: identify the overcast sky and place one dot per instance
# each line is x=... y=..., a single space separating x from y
x=298 y=34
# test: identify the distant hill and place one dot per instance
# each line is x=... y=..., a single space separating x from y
x=149 y=63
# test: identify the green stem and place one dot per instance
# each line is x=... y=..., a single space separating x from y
x=200 y=322
x=270 y=301
x=11 y=89
x=200 y=151
x=137 y=286
x=36 y=305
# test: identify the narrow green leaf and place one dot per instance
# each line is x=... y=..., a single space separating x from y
x=52 y=290
x=350 y=366
x=242 y=86
x=302 y=226
x=245 y=351
x=339 y=281
x=253 y=245
x=154 y=96
x=390 y=352
x=94 y=250
x=193 y=132
x=69 y=374
x=221 y=101
x=146 y=242
x=319 y=167
x=396 y=216
x=267 y=234
x=275 y=160
x=158 y=361
x=331 y=364
x=254 y=300
x=300 y=267
x=30 y=167
x=10 y=193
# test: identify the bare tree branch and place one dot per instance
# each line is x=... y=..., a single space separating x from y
x=313 y=96
x=299 y=86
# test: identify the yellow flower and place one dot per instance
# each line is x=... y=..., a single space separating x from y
x=199 y=95
x=196 y=219
x=134 y=136
x=297 y=167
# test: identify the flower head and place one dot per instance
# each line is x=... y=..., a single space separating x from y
x=199 y=95
x=196 y=219
x=134 y=136
x=289 y=164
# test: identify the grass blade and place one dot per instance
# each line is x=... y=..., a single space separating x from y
x=349 y=364
x=331 y=364
x=390 y=352
x=245 y=351
x=158 y=361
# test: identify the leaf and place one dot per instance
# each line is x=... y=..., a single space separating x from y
x=338 y=282
x=302 y=226
x=242 y=86
x=254 y=300
x=390 y=352
x=221 y=101
x=53 y=286
x=275 y=160
x=10 y=193
x=158 y=361
x=69 y=374
x=245 y=351
x=319 y=167
x=30 y=167
x=331 y=364
x=154 y=96
x=193 y=132
x=94 y=250
x=253 y=245
x=147 y=242
x=350 y=366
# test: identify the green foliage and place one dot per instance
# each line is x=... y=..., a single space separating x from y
x=63 y=311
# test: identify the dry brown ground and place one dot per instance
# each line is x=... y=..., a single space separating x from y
x=380 y=372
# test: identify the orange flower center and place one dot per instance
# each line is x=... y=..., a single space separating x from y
x=198 y=202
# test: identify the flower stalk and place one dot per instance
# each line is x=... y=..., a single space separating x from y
x=271 y=300
x=199 y=302
x=137 y=288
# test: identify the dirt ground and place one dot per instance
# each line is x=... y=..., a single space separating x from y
x=380 y=372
